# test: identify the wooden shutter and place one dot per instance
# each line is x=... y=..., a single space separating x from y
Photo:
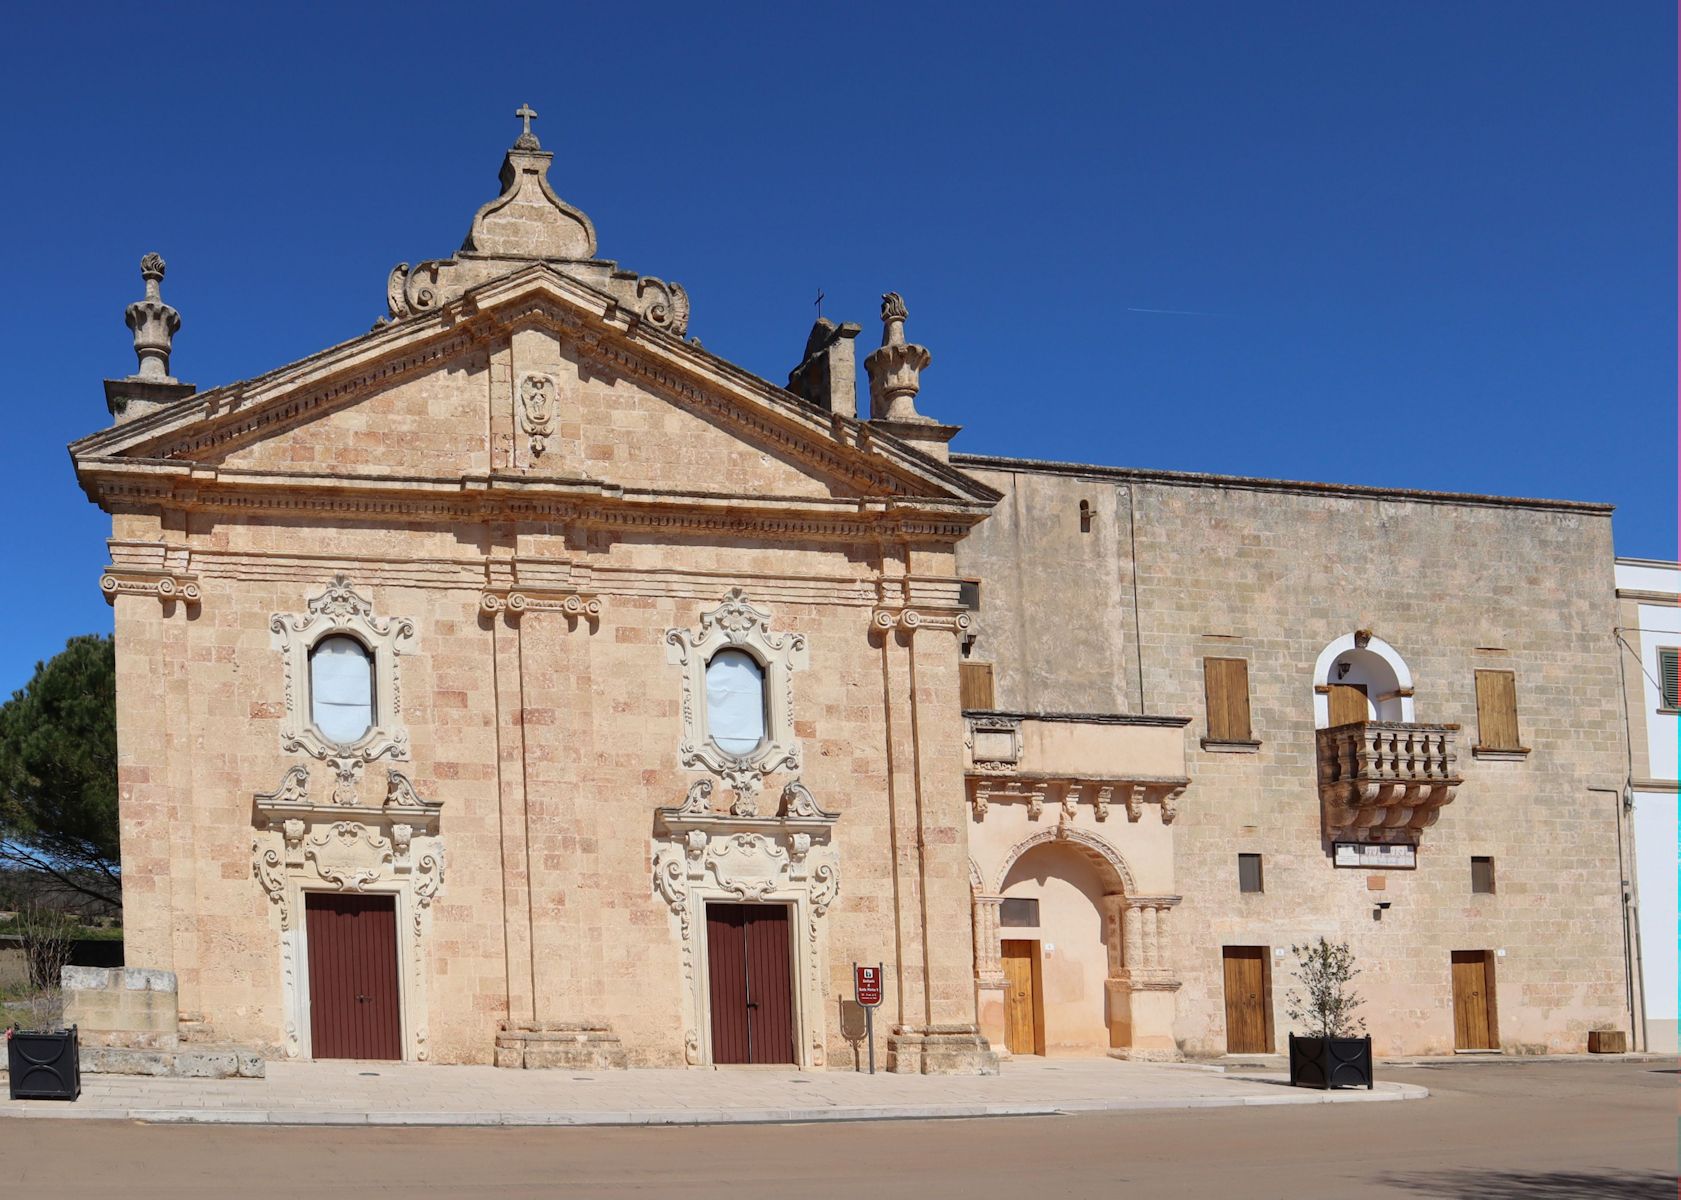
x=1348 y=704
x=1497 y=710
x=1226 y=684
x=974 y=685
x=1669 y=676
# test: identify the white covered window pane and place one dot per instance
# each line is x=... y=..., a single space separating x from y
x=341 y=689
x=735 y=701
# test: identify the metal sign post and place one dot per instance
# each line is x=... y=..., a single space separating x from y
x=866 y=989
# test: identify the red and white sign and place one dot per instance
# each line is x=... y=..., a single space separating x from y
x=867 y=984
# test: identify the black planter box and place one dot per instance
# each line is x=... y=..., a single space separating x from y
x=1328 y=1062
x=44 y=1065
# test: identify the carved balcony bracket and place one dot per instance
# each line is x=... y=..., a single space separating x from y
x=1070 y=795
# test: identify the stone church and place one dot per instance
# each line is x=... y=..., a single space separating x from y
x=520 y=682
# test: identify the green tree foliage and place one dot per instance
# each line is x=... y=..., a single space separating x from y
x=58 y=771
x=1326 y=1002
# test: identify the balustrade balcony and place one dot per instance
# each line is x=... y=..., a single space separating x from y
x=1386 y=780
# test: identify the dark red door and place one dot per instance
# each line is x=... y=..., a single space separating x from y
x=353 y=1007
x=751 y=976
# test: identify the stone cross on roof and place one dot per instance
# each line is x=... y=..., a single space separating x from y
x=526 y=140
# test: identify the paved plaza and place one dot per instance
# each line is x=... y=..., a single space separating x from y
x=350 y=1093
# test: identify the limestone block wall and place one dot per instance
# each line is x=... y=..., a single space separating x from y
x=1272 y=574
x=549 y=740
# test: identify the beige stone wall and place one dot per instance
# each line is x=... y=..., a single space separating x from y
x=1273 y=575
x=550 y=740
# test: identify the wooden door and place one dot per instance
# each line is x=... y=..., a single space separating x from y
x=1474 y=1025
x=750 y=973
x=1348 y=704
x=1024 y=1005
x=1248 y=1000
x=354 y=1010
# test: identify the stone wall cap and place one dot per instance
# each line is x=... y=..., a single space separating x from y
x=1355 y=491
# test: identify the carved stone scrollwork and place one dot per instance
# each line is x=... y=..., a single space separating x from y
x=667 y=304
x=737 y=624
x=514 y=602
x=538 y=400
x=340 y=609
x=409 y=292
x=700 y=856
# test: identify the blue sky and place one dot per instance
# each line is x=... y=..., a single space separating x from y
x=1427 y=244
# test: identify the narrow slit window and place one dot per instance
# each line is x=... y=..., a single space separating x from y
x=1249 y=873
x=1482 y=875
x=341 y=689
x=1085 y=516
x=735 y=701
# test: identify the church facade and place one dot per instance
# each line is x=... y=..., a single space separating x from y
x=519 y=682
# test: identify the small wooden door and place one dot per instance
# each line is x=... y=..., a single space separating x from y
x=1474 y=1026
x=1248 y=999
x=750 y=971
x=1024 y=1001
x=353 y=1001
x=1348 y=703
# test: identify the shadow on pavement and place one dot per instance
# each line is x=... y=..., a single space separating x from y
x=1538 y=1185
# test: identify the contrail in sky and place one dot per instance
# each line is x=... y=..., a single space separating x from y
x=1175 y=312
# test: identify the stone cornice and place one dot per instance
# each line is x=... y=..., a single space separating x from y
x=120 y=482
x=223 y=418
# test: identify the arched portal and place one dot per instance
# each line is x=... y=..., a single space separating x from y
x=1361 y=677
x=1062 y=901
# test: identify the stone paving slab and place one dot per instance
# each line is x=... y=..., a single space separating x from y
x=348 y=1093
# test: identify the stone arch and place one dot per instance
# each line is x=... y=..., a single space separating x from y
x=977 y=884
x=1108 y=860
x=1383 y=662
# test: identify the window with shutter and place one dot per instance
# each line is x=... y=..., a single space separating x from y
x=1497 y=713
x=1249 y=873
x=1669 y=676
x=1226 y=689
x=974 y=686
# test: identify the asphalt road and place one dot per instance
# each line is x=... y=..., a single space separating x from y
x=1497 y=1131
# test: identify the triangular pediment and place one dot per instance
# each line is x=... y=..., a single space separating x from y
x=539 y=381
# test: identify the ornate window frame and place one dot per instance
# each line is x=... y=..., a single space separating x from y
x=341 y=610
x=737 y=624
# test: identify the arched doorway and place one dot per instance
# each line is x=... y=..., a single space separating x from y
x=1360 y=677
x=1060 y=948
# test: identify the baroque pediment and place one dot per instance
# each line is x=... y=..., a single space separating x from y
x=190 y=452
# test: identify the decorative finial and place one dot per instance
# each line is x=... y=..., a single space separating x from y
x=526 y=140
x=154 y=323
x=895 y=368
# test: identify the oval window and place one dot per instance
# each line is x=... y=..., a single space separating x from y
x=735 y=701
x=341 y=688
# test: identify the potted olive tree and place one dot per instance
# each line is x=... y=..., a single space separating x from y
x=1335 y=1051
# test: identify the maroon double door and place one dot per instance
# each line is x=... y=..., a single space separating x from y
x=353 y=1001
x=752 y=987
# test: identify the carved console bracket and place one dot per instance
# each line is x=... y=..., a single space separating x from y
x=702 y=856
x=1386 y=781
x=306 y=844
x=1068 y=794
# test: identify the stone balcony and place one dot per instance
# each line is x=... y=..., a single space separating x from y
x=1065 y=760
x=1385 y=780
